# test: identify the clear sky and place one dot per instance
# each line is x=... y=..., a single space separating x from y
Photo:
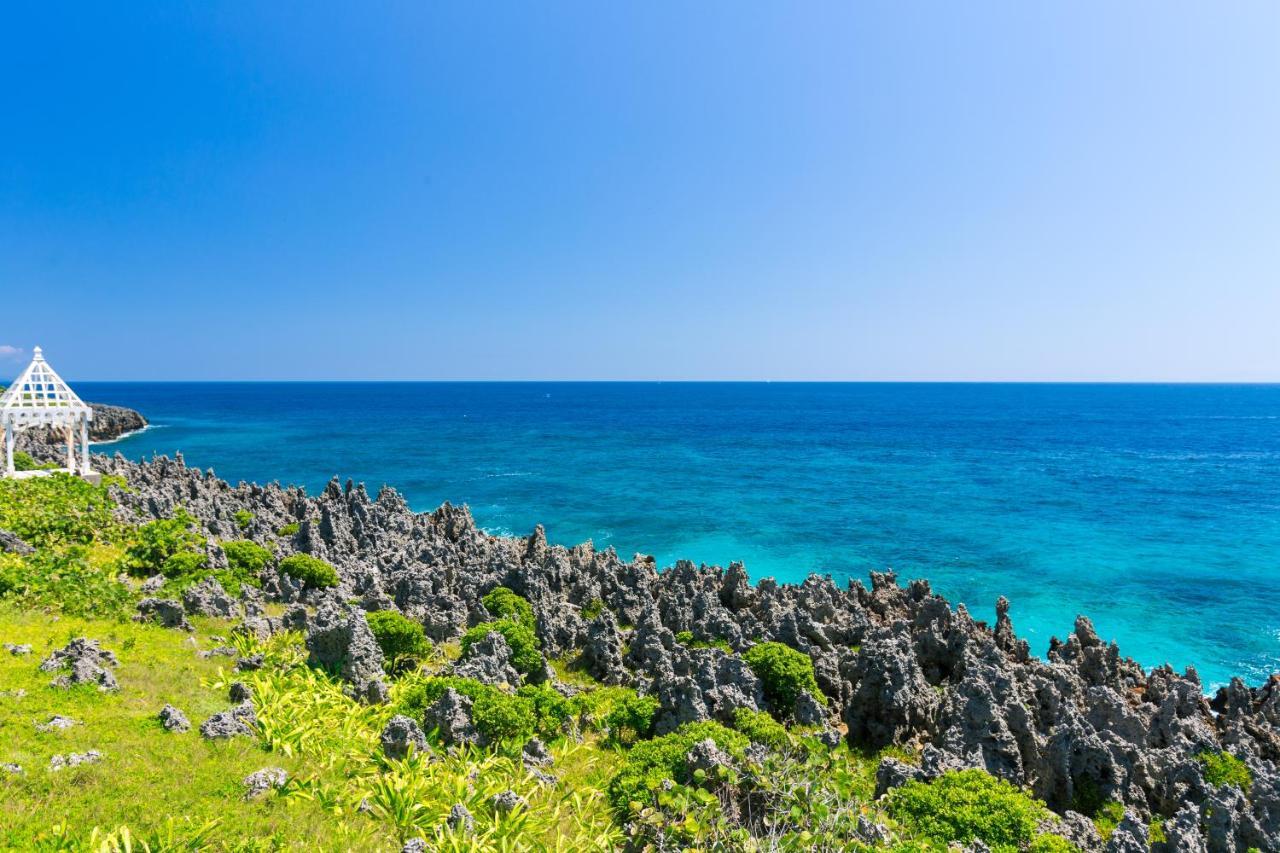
x=898 y=190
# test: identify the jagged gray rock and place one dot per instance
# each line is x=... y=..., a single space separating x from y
x=17 y=649
x=74 y=759
x=506 y=801
x=57 y=723
x=460 y=818
x=400 y=735
x=260 y=782
x=450 y=717
x=208 y=598
x=173 y=720
x=87 y=662
x=13 y=544
x=165 y=612
x=488 y=661
x=239 y=721
x=339 y=639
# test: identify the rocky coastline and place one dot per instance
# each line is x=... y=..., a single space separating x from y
x=896 y=664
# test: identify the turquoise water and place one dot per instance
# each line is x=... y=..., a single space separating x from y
x=1155 y=509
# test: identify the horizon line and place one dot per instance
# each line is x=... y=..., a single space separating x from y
x=1259 y=382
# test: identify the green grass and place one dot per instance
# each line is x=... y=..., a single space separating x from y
x=147 y=773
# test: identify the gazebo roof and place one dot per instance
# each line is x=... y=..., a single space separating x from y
x=40 y=396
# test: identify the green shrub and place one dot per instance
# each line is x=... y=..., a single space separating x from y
x=58 y=509
x=761 y=728
x=1106 y=817
x=288 y=529
x=1051 y=844
x=685 y=638
x=23 y=461
x=502 y=717
x=399 y=638
x=502 y=603
x=631 y=718
x=968 y=805
x=1223 y=768
x=784 y=672
x=64 y=580
x=552 y=711
x=170 y=546
x=245 y=557
x=525 y=656
x=243 y=518
x=593 y=608
x=651 y=762
x=498 y=716
x=312 y=571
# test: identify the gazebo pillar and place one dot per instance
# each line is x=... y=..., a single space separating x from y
x=71 y=448
x=84 y=445
x=8 y=447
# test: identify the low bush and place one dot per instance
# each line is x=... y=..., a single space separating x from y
x=1223 y=768
x=592 y=609
x=785 y=672
x=400 y=639
x=552 y=711
x=761 y=728
x=525 y=654
x=58 y=509
x=288 y=529
x=243 y=518
x=23 y=461
x=312 y=571
x=631 y=719
x=502 y=603
x=966 y=806
x=168 y=546
x=651 y=762
x=68 y=581
x=500 y=717
x=685 y=638
x=245 y=557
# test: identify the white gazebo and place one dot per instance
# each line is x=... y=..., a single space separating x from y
x=39 y=398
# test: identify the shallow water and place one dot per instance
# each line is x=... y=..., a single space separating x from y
x=1155 y=509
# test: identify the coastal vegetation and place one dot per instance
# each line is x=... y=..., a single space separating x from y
x=615 y=782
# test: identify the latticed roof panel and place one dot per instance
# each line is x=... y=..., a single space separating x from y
x=40 y=396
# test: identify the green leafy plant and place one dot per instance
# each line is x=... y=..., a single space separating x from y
x=966 y=806
x=288 y=529
x=1223 y=768
x=761 y=728
x=170 y=546
x=785 y=672
x=592 y=609
x=631 y=718
x=312 y=571
x=401 y=639
x=502 y=603
x=651 y=762
x=23 y=461
x=243 y=518
x=58 y=509
x=1107 y=816
x=552 y=711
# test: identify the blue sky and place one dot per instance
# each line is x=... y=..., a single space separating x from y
x=898 y=190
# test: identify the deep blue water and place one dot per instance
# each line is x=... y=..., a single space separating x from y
x=1155 y=509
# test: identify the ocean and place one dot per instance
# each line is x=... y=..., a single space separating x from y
x=1153 y=509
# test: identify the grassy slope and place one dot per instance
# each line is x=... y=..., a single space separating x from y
x=147 y=774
